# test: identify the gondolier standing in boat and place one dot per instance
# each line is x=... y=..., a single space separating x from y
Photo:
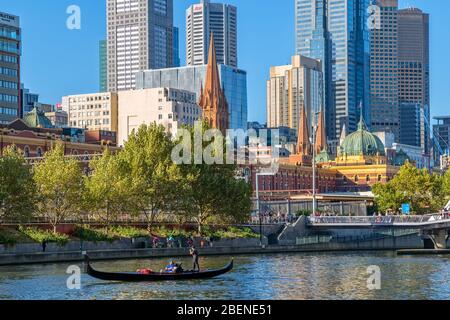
x=194 y=254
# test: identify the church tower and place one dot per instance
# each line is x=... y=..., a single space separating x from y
x=212 y=98
x=303 y=156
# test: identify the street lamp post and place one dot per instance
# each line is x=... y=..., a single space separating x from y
x=314 y=125
x=260 y=174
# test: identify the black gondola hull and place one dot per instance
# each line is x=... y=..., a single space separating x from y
x=137 y=277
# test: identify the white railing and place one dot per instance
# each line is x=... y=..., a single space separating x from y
x=377 y=220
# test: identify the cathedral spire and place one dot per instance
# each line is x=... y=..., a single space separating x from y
x=303 y=144
x=321 y=137
x=212 y=98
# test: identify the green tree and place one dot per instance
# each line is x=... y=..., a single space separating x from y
x=446 y=186
x=16 y=186
x=419 y=188
x=386 y=197
x=154 y=177
x=107 y=188
x=59 y=186
x=211 y=192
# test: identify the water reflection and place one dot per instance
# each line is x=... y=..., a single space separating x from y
x=296 y=276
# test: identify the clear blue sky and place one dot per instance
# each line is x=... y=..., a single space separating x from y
x=58 y=61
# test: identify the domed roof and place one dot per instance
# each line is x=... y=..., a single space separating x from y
x=401 y=158
x=362 y=142
x=37 y=119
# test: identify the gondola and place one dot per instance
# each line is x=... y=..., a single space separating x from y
x=156 y=276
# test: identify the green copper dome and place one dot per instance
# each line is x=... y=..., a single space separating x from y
x=362 y=142
x=37 y=119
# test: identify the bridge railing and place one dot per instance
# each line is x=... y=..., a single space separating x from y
x=375 y=220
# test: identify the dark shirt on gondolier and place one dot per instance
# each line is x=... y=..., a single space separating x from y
x=195 y=254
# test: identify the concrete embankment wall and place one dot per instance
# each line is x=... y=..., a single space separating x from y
x=125 y=244
x=123 y=249
x=406 y=242
x=69 y=247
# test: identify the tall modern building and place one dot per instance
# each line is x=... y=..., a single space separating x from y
x=292 y=89
x=10 y=52
x=203 y=19
x=193 y=79
x=385 y=113
x=441 y=132
x=103 y=65
x=336 y=32
x=28 y=100
x=414 y=66
x=140 y=37
x=176 y=47
x=410 y=121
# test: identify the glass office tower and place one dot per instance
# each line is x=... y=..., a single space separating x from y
x=192 y=78
x=103 y=66
x=10 y=53
x=336 y=32
x=140 y=37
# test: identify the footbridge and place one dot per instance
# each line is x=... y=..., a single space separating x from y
x=434 y=228
x=436 y=221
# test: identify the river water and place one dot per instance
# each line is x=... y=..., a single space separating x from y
x=281 y=276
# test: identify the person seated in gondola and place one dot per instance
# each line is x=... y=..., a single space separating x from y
x=171 y=267
x=178 y=268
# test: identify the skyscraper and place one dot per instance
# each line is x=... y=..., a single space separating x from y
x=203 y=19
x=385 y=113
x=103 y=66
x=28 y=100
x=293 y=89
x=10 y=52
x=140 y=37
x=176 y=47
x=414 y=66
x=336 y=32
x=441 y=131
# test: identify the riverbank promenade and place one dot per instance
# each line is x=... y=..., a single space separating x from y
x=307 y=234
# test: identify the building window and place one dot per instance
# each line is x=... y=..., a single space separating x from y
x=356 y=178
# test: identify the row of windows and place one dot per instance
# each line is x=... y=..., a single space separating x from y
x=8 y=72
x=96 y=122
x=88 y=107
x=8 y=58
x=87 y=99
x=8 y=111
x=8 y=32
x=9 y=46
x=8 y=85
x=8 y=98
x=368 y=178
x=90 y=114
